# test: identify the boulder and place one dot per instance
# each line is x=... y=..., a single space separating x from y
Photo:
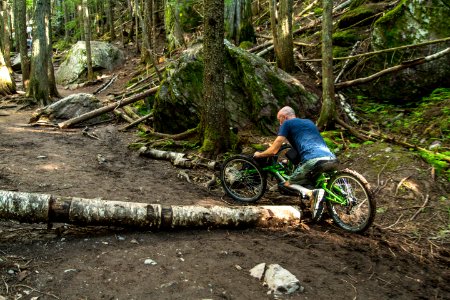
x=411 y=22
x=16 y=63
x=74 y=67
x=67 y=108
x=254 y=92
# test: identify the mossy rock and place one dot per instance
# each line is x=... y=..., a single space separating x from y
x=360 y=16
x=346 y=38
x=254 y=92
x=410 y=22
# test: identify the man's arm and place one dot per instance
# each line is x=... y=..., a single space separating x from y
x=273 y=149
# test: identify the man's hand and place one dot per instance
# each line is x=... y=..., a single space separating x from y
x=257 y=154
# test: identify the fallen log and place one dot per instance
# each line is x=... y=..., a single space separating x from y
x=106 y=109
x=46 y=208
x=404 y=65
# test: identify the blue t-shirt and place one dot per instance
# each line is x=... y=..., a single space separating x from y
x=304 y=136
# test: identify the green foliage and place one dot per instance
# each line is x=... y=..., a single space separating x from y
x=246 y=45
x=345 y=38
x=62 y=45
x=258 y=147
x=333 y=140
x=359 y=16
x=318 y=11
x=423 y=123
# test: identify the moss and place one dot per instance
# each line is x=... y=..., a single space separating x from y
x=360 y=16
x=341 y=51
x=411 y=22
x=345 y=38
x=356 y=3
x=246 y=45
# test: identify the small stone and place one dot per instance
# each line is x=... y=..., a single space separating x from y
x=258 y=271
x=149 y=261
x=133 y=241
x=120 y=238
x=41 y=157
x=238 y=267
x=435 y=145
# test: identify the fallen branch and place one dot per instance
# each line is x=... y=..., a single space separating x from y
x=427 y=197
x=106 y=109
x=373 y=136
x=105 y=85
x=177 y=158
x=46 y=208
x=176 y=137
x=141 y=119
x=382 y=51
x=397 y=68
x=265 y=51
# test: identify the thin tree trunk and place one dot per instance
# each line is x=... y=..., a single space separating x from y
x=66 y=20
x=46 y=208
x=6 y=42
x=146 y=32
x=110 y=16
x=39 y=88
x=87 y=32
x=238 y=21
x=214 y=119
x=285 y=49
x=174 y=31
x=328 y=111
x=21 y=37
x=281 y=23
x=53 y=91
x=153 y=24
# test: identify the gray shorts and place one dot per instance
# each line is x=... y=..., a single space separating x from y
x=300 y=174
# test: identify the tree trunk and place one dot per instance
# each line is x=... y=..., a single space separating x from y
x=238 y=21
x=6 y=42
x=45 y=208
x=214 y=119
x=174 y=31
x=21 y=38
x=7 y=85
x=110 y=16
x=53 y=91
x=39 y=88
x=153 y=24
x=146 y=32
x=281 y=22
x=328 y=111
x=137 y=13
x=66 y=20
x=87 y=33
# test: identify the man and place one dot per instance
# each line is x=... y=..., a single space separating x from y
x=305 y=138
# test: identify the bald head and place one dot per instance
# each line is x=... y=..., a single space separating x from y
x=285 y=113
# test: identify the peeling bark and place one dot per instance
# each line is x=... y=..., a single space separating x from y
x=46 y=208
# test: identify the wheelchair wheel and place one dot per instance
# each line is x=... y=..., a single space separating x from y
x=242 y=179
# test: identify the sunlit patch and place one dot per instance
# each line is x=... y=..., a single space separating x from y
x=49 y=167
x=5 y=75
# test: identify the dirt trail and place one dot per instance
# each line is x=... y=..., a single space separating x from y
x=69 y=262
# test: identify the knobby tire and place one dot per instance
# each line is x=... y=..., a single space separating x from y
x=357 y=216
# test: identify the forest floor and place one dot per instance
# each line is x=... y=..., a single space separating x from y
x=404 y=255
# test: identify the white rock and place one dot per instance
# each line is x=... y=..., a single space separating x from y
x=149 y=261
x=258 y=271
x=280 y=280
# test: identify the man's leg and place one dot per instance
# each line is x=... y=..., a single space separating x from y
x=296 y=182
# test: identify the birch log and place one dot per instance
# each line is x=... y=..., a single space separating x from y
x=46 y=208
